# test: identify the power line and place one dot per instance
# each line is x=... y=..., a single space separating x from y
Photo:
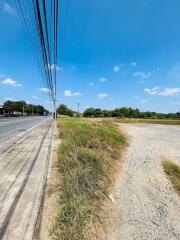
x=42 y=29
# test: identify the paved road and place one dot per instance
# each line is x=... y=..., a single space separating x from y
x=146 y=205
x=12 y=129
x=23 y=172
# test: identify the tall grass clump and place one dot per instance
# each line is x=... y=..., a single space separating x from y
x=88 y=156
x=173 y=171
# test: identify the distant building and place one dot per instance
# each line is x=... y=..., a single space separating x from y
x=16 y=113
x=78 y=114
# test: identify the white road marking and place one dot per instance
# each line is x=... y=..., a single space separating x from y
x=21 y=134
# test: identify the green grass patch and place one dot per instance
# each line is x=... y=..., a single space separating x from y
x=88 y=156
x=173 y=172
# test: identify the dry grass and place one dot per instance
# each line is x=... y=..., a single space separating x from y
x=173 y=172
x=88 y=156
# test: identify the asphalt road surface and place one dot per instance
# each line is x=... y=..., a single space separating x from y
x=146 y=204
x=23 y=172
x=11 y=129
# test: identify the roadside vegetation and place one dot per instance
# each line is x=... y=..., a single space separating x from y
x=88 y=156
x=124 y=115
x=173 y=171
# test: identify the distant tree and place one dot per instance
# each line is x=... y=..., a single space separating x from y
x=106 y=113
x=64 y=110
x=89 y=112
x=18 y=106
x=98 y=112
x=126 y=112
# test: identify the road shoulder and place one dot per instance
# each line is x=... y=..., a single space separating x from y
x=48 y=209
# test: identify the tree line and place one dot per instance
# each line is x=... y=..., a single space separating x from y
x=22 y=108
x=124 y=112
x=127 y=112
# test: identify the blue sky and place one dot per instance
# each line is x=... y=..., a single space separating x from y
x=116 y=53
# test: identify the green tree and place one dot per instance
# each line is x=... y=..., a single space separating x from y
x=64 y=110
x=89 y=112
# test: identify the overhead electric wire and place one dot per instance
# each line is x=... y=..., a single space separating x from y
x=55 y=43
x=65 y=27
x=41 y=21
x=22 y=11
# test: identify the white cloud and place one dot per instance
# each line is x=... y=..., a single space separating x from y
x=91 y=84
x=143 y=101
x=44 y=90
x=54 y=66
x=102 y=95
x=102 y=79
x=163 y=92
x=11 y=82
x=142 y=74
x=10 y=99
x=116 y=68
x=69 y=93
x=34 y=97
x=152 y=91
x=8 y=9
x=28 y=102
x=170 y=91
x=133 y=64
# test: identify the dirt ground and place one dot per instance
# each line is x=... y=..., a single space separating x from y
x=147 y=206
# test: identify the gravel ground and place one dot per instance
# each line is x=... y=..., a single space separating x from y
x=146 y=205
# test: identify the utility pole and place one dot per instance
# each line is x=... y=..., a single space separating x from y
x=78 y=105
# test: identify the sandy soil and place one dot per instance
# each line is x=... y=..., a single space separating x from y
x=146 y=205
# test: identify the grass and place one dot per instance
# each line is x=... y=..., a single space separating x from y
x=173 y=172
x=88 y=156
x=152 y=121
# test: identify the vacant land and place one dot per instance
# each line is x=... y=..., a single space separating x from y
x=152 y=121
x=88 y=156
x=173 y=171
x=146 y=203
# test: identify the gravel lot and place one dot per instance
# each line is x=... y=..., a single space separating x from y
x=146 y=205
